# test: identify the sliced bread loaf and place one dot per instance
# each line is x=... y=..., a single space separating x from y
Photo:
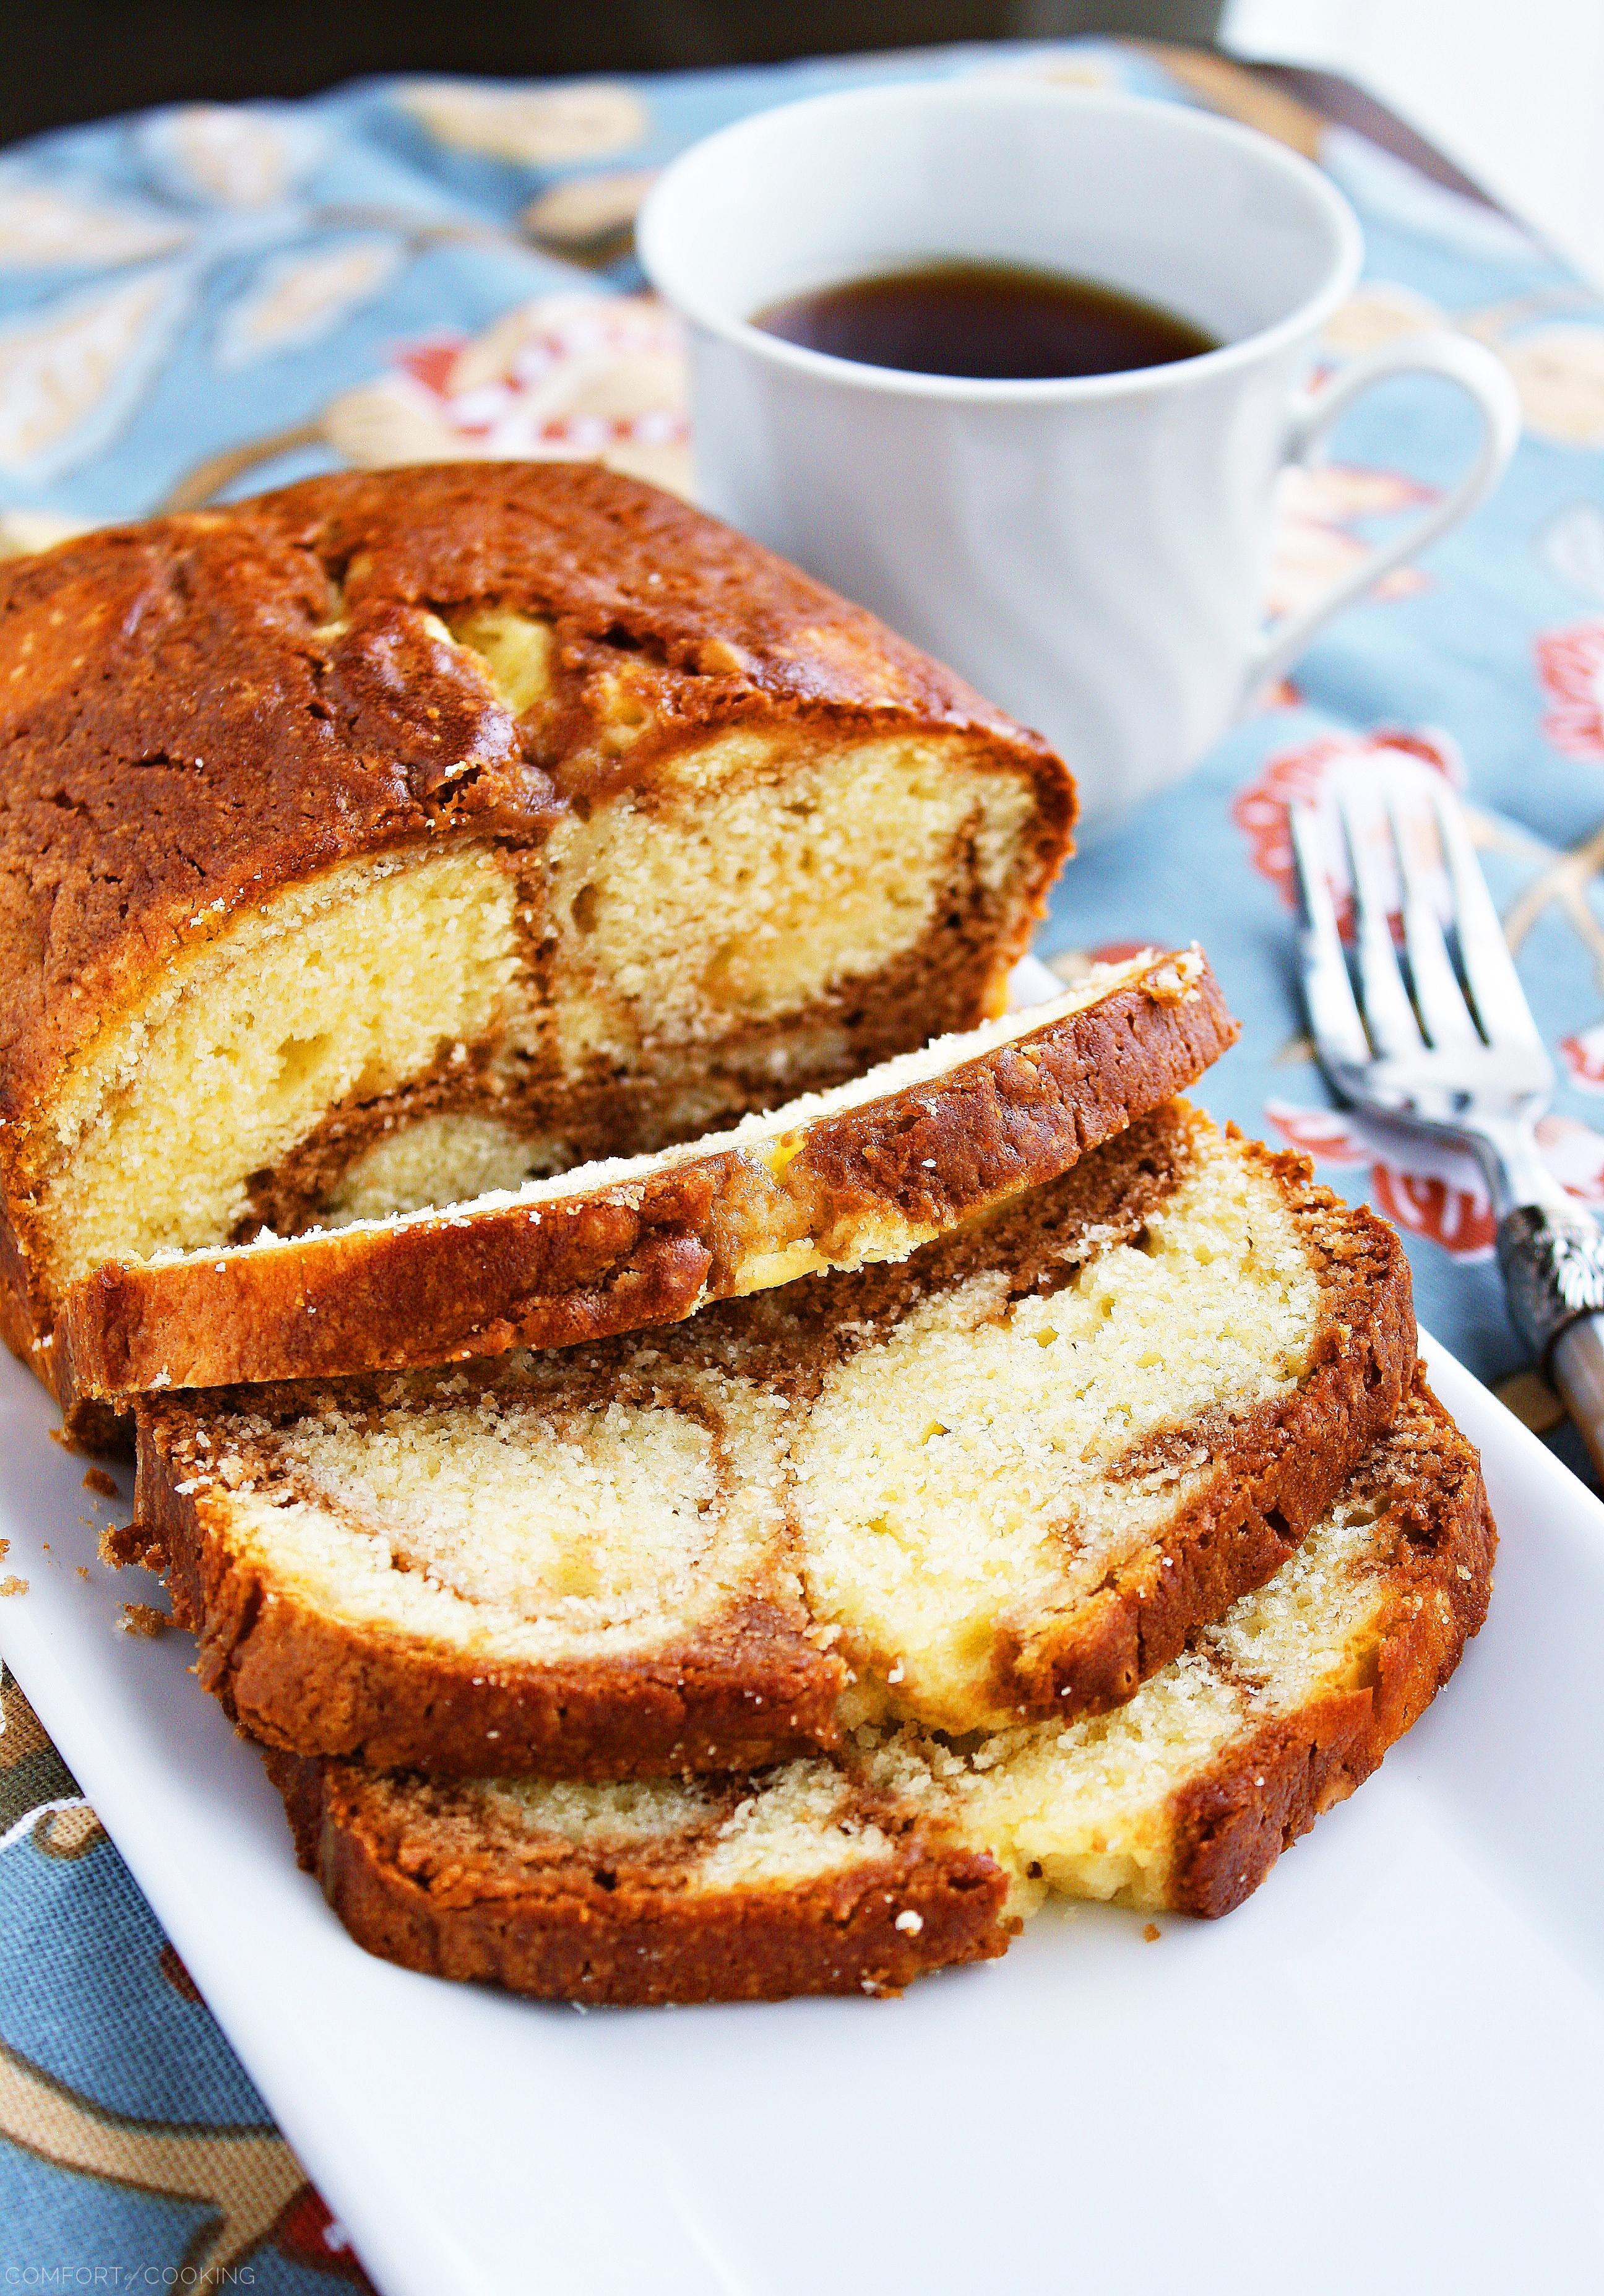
x=409 y=832
x=867 y=1171
x=911 y=1852
x=1002 y=1479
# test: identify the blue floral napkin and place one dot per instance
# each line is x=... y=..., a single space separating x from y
x=203 y=301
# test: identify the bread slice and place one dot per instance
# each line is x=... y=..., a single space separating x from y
x=868 y=1171
x=407 y=833
x=910 y=1852
x=1002 y=1479
x=807 y=1880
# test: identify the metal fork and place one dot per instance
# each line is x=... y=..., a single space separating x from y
x=1450 y=1049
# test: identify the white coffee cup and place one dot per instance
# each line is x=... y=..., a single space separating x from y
x=1092 y=553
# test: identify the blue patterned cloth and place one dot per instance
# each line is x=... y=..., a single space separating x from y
x=206 y=300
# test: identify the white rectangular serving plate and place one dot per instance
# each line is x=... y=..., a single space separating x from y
x=1386 y=2071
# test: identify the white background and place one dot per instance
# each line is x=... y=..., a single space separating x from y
x=1512 y=90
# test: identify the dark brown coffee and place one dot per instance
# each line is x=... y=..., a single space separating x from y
x=997 y=322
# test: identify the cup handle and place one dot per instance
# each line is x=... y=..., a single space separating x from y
x=1483 y=377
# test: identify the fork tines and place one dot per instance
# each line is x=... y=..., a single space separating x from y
x=1433 y=1008
x=1334 y=1021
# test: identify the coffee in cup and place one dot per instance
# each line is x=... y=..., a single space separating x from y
x=1091 y=549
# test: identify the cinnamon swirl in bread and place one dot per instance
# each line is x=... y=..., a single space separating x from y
x=867 y=1171
x=1001 y=1478
x=408 y=833
x=909 y=1852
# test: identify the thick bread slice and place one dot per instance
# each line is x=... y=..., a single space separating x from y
x=867 y=1171
x=1183 y=1798
x=408 y=832
x=1002 y=1479
x=806 y=1881
x=836 y=1877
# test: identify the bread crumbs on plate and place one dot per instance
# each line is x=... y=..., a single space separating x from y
x=143 y=1618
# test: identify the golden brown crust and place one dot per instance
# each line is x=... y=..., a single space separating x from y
x=205 y=734
x=753 y=1689
x=297 y=1678
x=18 y=1327
x=1276 y=1472
x=621 y=1258
x=1231 y=1823
x=1279 y=1469
x=202 y=711
x=447 y=1880
x=417 y=1877
x=649 y=1250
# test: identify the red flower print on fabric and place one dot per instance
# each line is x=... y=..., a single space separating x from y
x=587 y=376
x=1460 y=1219
x=1421 y=1186
x=308 y=2235
x=1118 y=952
x=1570 y=664
x=1368 y=764
x=1584 y=1057
x=1427 y=1187
x=1574 y=1154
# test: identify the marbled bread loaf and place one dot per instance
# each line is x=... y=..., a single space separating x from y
x=867 y=1171
x=909 y=1852
x=1001 y=1478
x=407 y=833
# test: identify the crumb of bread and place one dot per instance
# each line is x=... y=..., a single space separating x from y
x=97 y=1479
x=110 y=1545
x=14 y=1585
x=1177 y=982
x=143 y=1618
x=82 y=1572
x=1150 y=1932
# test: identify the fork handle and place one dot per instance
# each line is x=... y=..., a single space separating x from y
x=1554 y=1272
